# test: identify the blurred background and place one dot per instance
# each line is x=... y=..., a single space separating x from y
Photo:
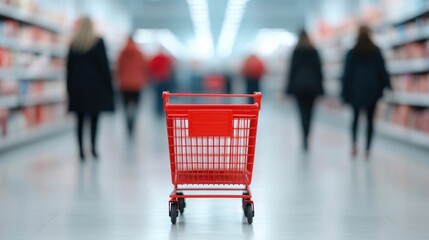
x=210 y=46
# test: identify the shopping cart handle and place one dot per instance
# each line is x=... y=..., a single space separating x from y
x=257 y=96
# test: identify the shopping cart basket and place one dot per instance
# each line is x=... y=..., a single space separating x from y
x=211 y=144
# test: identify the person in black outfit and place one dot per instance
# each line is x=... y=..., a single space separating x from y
x=364 y=79
x=305 y=82
x=89 y=81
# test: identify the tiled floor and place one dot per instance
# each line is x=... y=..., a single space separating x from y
x=46 y=194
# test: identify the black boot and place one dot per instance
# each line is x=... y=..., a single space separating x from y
x=94 y=153
x=81 y=156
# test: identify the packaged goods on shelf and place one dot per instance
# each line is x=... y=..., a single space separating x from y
x=410 y=83
x=28 y=36
x=9 y=28
x=411 y=51
x=32 y=53
x=6 y=58
x=3 y=121
x=57 y=63
x=405 y=116
x=8 y=87
x=17 y=122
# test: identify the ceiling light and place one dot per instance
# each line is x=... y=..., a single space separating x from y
x=160 y=36
x=268 y=40
x=234 y=13
x=201 y=21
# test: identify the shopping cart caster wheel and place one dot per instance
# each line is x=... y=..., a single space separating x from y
x=249 y=213
x=182 y=203
x=173 y=213
x=243 y=204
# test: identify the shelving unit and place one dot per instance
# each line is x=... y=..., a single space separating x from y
x=28 y=75
x=408 y=39
x=416 y=37
x=35 y=134
x=29 y=18
x=409 y=104
x=389 y=129
x=14 y=102
x=404 y=134
x=56 y=51
x=398 y=67
x=31 y=93
x=413 y=99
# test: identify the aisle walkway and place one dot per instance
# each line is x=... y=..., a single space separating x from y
x=46 y=194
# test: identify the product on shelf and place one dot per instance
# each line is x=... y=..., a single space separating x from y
x=405 y=116
x=3 y=121
x=409 y=83
x=31 y=52
x=6 y=58
x=411 y=51
x=28 y=36
x=18 y=122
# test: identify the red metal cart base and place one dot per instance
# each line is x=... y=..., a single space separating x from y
x=211 y=145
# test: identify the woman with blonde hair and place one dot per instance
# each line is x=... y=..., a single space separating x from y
x=89 y=81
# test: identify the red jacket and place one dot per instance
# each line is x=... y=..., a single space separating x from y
x=253 y=68
x=131 y=68
x=161 y=67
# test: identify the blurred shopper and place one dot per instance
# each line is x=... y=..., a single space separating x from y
x=196 y=76
x=214 y=83
x=305 y=82
x=132 y=78
x=89 y=81
x=364 y=79
x=228 y=81
x=253 y=70
x=161 y=72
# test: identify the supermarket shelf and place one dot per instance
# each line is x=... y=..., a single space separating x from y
x=404 y=134
x=419 y=36
x=8 y=102
x=408 y=66
x=25 y=74
x=423 y=11
x=387 y=129
x=395 y=67
x=415 y=99
x=26 y=17
x=15 y=102
x=57 y=51
x=34 y=134
x=41 y=101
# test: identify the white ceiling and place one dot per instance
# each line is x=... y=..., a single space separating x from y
x=175 y=16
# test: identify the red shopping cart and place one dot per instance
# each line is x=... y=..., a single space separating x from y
x=211 y=144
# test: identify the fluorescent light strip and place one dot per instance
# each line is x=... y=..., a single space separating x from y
x=163 y=36
x=234 y=14
x=201 y=21
x=268 y=40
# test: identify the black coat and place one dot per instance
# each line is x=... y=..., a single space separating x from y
x=364 y=78
x=89 y=80
x=305 y=74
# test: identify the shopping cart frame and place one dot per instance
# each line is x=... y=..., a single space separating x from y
x=177 y=197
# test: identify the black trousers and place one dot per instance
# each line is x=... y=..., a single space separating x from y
x=369 y=110
x=305 y=108
x=131 y=104
x=81 y=119
x=252 y=85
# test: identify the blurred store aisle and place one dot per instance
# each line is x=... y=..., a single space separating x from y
x=46 y=194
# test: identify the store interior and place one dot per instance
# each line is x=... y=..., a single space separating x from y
x=325 y=193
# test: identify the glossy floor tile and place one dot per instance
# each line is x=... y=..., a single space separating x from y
x=46 y=194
